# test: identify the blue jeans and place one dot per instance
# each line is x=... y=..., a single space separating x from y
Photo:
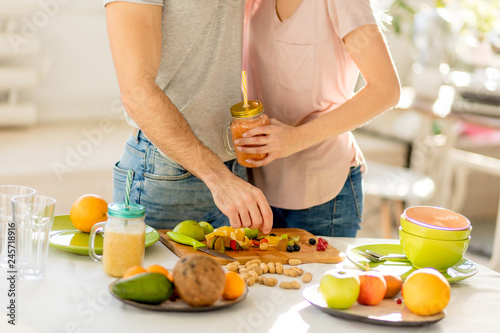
x=169 y=192
x=339 y=217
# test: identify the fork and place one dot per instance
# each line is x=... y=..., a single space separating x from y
x=377 y=257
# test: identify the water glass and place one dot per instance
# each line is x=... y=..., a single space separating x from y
x=33 y=217
x=7 y=192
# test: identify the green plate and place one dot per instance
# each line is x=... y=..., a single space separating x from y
x=462 y=270
x=66 y=238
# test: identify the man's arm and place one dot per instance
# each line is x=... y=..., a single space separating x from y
x=135 y=38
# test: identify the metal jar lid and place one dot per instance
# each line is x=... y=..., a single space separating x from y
x=119 y=209
x=240 y=111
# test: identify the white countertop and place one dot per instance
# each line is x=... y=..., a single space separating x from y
x=74 y=297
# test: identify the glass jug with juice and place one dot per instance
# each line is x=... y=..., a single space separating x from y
x=124 y=238
x=244 y=119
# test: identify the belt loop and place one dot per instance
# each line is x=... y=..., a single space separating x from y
x=136 y=132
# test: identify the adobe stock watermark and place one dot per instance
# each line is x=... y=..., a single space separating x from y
x=84 y=148
x=87 y=311
x=31 y=25
x=263 y=309
x=92 y=138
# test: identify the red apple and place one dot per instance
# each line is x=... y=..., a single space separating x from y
x=372 y=288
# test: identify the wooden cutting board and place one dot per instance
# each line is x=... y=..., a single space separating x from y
x=307 y=253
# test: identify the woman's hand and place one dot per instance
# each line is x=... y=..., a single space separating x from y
x=277 y=140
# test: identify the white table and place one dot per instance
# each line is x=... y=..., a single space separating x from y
x=74 y=297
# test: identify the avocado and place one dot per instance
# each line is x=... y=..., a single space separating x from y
x=150 y=288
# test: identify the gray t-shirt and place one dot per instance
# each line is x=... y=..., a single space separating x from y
x=200 y=68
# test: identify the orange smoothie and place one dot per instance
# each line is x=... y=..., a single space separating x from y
x=241 y=125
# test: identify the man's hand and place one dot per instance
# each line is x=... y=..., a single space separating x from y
x=244 y=204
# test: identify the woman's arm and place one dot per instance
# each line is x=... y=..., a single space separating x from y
x=135 y=38
x=369 y=51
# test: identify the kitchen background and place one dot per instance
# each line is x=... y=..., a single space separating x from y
x=62 y=128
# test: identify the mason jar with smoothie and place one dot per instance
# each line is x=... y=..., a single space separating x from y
x=246 y=117
x=124 y=238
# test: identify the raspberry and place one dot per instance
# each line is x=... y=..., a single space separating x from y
x=399 y=301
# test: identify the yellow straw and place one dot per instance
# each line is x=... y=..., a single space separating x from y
x=244 y=86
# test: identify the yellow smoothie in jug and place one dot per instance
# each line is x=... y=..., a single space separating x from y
x=122 y=248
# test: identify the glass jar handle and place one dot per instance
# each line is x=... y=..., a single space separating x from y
x=93 y=233
x=226 y=136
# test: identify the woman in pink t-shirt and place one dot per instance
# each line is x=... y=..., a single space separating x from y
x=302 y=59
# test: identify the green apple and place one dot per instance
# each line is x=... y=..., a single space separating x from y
x=207 y=227
x=251 y=233
x=339 y=288
x=190 y=228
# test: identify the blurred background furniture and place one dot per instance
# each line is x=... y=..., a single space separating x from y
x=20 y=49
x=396 y=187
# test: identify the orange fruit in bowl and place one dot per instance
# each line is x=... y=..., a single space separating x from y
x=235 y=286
x=87 y=210
x=157 y=269
x=134 y=270
x=426 y=292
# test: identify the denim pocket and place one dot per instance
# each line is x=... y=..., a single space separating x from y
x=165 y=168
x=355 y=179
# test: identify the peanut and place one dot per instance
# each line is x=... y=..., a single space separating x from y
x=243 y=270
x=252 y=262
x=270 y=282
x=298 y=270
x=263 y=246
x=290 y=285
x=245 y=275
x=279 y=268
x=307 y=277
x=232 y=268
x=261 y=279
x=241 y=266
x=250 y=281
x=294 y=262
x=290 y=272
x=271 y=267
x=254 y=274
x=264 y=267
x=258 y=270
x=252 y=266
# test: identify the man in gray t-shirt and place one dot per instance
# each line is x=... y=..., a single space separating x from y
x=178 y=65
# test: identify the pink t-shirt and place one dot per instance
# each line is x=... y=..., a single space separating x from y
x=300 y=70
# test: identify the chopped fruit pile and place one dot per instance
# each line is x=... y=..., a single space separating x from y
x=322 y=244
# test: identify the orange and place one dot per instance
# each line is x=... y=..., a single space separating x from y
x=134 y=270
x=393 y=285
x=157 y=269
x=426 y=292
x=87 y=210
x=235 y=286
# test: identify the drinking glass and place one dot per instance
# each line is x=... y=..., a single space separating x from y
x=33 y=217
x=7 y=192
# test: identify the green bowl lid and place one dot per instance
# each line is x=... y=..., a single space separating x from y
x=119 y=209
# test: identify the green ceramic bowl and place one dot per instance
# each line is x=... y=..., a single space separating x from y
x=425 y=252
x=422 y=230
